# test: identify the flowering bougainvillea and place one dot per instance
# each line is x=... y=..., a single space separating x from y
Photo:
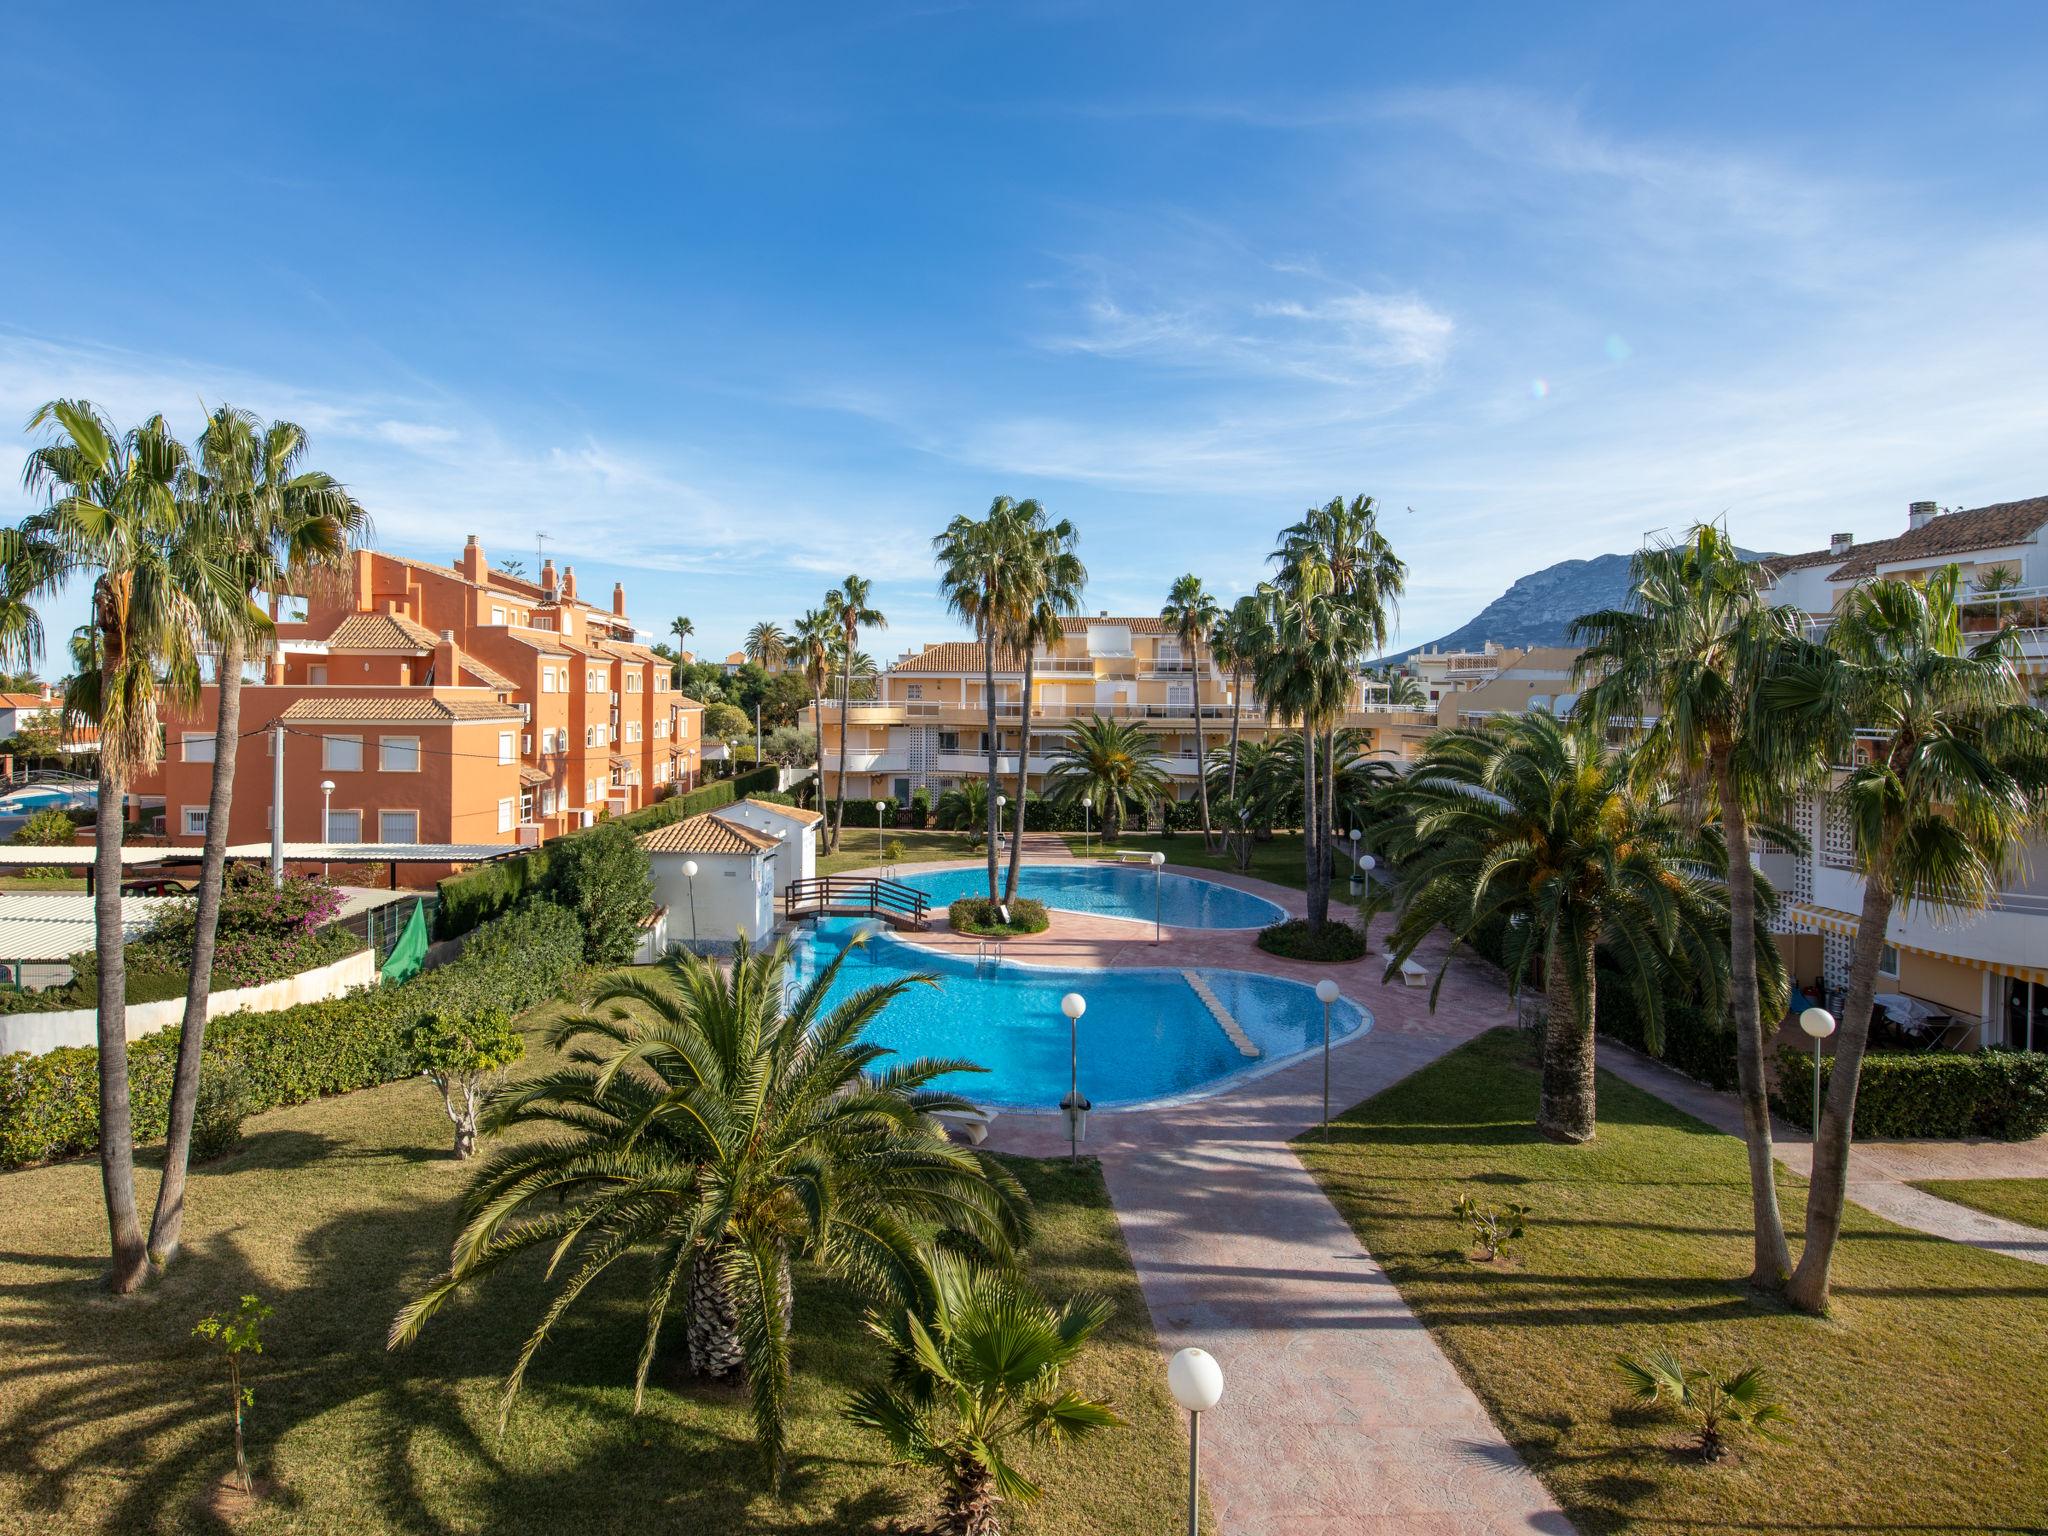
x=265 y=932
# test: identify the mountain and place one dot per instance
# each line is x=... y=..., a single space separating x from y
x=1539 y=608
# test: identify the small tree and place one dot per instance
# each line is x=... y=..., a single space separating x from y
x=48 y=828
x=1714 y=1404
x=233 y=1335
x=462 y=1058
x=727 y=722
x=603 y=876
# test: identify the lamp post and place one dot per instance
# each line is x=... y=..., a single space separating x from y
x=326 y=818
x=1158 y=859
x=881 y=806
x=1355 y=882
x=1196 y=1381
x=1326 y=994
x=1001 y=802
x=1087 y=827
x=1073 y=1106
x=690 y=874
x=1818 y=1024
x=1367 y=864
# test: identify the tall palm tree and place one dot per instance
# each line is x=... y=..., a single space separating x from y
x=1115 y=763
x=1530 y=822
x=766 y=645
x=812 y=640
x=1693 y=648
x=1239 y=645
x=272 y=524
x=981 y=1375
x=1305 y=678
x=1950 y=769
x=1053 y=577
x=984 y=575
x=849 y=605
x=705 y=1121
x=1194 y=615
x=681 y=627
x=111 y=511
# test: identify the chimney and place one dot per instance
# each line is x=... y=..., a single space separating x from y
x=1839 y=543
x=445 y=674
x=473 y=565
x=619 y=598
x=568 y=582
x=1920 y=514
x=547 y=576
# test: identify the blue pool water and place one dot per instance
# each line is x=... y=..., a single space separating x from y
x=1146 y=1034
x=25 y=801
x=1113 y=890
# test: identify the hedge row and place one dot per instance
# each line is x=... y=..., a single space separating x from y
x=1699 y=1043
x=489 y=890
x=2000 y=1095
x=49 y=1104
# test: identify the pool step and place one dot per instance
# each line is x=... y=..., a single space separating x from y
x=1221 y=1014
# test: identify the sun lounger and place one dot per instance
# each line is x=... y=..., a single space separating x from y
x=1413 y=975
x=971 y=1123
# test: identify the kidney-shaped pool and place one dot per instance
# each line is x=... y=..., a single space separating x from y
x=1113 y=890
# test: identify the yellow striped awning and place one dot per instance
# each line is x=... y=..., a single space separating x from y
x=1814 y=918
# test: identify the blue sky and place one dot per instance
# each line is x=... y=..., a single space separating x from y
x=732 y=302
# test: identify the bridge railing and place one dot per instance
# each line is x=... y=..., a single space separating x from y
x=863 y=893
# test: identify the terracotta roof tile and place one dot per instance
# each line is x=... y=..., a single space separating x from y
x=346 y=708
x=532 y=778
x=959 y=656
x=484 y=673
x=381 y=632
x=706 y=834
x=1953 y=533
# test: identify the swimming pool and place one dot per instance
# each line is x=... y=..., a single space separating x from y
x=1147 y=1034
x=1113 y=890
x=41 y=797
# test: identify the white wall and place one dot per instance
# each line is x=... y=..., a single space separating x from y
x=797 y=858
x=734 y=892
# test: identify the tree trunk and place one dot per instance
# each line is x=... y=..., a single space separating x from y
x=1771 y=1259
x=169 y=1218
x=1566 y=1113
x=117 y=1129
x=838 y=810
x=1201 y=776
x=1318 y=888
x=712 y=1333
x=818 y=732
x=1023 y=768
x=990 y=815
x=1329 y=807
x=1236 y=707
x=970 y=1506
x=1828 y=1188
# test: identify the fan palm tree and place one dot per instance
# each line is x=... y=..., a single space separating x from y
x=111 y=511
x=1115 y=763
x=705 y=1120
x=766 y=645
x=981 y=1375
x=812 y=641
x=1404 y=689
x=1693 y=648
x=1528 y=822
x=274 y=525
x=1950 y=770
x=1238 y=645
x=681 y=627
x=850 y=607
x=1194 y=615
x=985 y=577
x=1053 y=577
x=963 y=807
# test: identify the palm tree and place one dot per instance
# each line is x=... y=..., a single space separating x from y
x=984 y=575
x=1115 y=763
x=1528 y=822
x=1693 y=648
x=112 y=512
x=1404 y=690
x=1053 y=577
x=682 y=629
x=981 y=1375
x=963 y=807
x=1950 y=769
x=766 y=645
x=848 y=604
x=1194 y=615
x=1239 y=645
x=1305 y=678
x=706 y=1121
x=272 y=525
x=812 y=640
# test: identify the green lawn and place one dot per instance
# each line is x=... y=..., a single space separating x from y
x=2021 y=1200
x=857 y=848
x=1279 y=861
x=42 y=887
x=111 y=1419
x=1918 y=1406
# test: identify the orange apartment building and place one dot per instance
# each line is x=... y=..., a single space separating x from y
x=446 y=704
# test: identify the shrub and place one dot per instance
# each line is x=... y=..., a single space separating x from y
x=49 y=1104
x=219 y=1108
x=2000 y=1095
x=265 y=932
x=1494 y=1228
x=462 y=1057
x=48 y=828
x=604 y=877
x=1697 y=1041
x=149 y=981
x=920 y=807
x=894 y=851
x=978 y=915
x=1714 y=1403
x=1295 y=939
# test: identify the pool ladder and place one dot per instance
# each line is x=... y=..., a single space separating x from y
x=988 y=952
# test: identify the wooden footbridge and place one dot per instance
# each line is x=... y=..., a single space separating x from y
x=902 y=906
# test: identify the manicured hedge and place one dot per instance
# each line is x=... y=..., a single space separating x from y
x=478 y=895
x=1699 y=1043
x=979 y=916
x=49 y=1104
x=1297 y=939
x=2001 y=1095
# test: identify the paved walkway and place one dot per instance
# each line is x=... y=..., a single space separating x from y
x=1879 y=1171
x=1340 y=1413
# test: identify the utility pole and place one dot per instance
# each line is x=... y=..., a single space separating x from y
x=277 y=804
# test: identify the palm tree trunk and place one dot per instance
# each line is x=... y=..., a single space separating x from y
x=1828 y=1189
x=970 y=1506
x=1566 y=1111
x=117 y=1129
x=1201 y=777
x=169 y=1218
x=1236 y=706
x=818 y=733
x=845 y=703
x=1023 y=767
x=711 y=1333
x=995 y=779
x=1317 y=888
x=1771 y=1259
x=1329 y=806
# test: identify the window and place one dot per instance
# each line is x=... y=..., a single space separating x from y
x=547 y=679
x=632 y=682
x=913 y=690
x=660 y=729
x=195 y=821
x=1887 y=959
x=341 y=754
x=661 y=682
x=497 y=613
x=547 y=802
x=504 y=815
x=949 y=741
x=595 y=678
x=398 y=754
x=632 y=730
x=526 y=744
x=590 y=736
x=344 y=826
x=398 y=826
x=505 y=745
x=198 y=746
x=317 y=676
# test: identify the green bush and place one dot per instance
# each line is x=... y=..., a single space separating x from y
x=977 y=915
x=920 y=807
x=49 y=1104
x=1295 y=939
x=2000 y=1095
x=604 y=878
x=220 y=1107
x=1698 y=1042
x=148 y=982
